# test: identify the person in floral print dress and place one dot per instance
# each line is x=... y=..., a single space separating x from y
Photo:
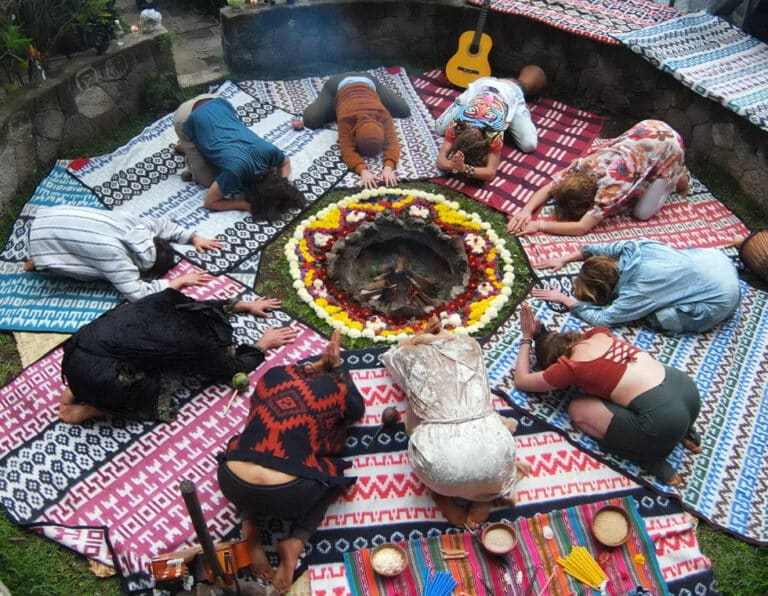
x=635 y=172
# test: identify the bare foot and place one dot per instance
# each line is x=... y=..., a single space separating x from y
x=523 y=468
x=478 y=514
x=453 y=512
x=691 y=446
x=675 y=480
x=29 y=265
x=510 y=423
x=682 y=186
x=289 y=550
x=73 y=413
x=260 y=566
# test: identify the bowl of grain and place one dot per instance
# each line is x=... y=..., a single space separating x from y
x=499 y=538
x=610 y=526
x=389 y=559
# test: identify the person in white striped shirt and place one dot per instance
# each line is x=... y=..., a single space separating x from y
x=128 y=251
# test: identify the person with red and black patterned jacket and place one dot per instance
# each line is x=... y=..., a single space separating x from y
x=285 y=464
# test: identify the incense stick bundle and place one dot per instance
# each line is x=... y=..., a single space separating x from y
x=582 y=565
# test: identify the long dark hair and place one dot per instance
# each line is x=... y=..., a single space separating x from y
x=550 y=345
x=164 y=259
x=270 y=195
x=474 y=146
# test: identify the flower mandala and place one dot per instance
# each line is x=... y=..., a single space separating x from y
x=490 y=272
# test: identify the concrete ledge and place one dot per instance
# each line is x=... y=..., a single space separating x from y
x=327 y=36
x=82 y=98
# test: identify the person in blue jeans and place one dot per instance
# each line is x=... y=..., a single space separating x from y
x=223 y=155
x=680 y=291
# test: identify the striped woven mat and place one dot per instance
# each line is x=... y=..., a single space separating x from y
x=533 y=561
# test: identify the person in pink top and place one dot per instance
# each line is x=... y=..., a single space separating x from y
x=632 y=404
x=635 y=172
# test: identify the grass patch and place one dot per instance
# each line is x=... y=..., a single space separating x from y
x=740 y=569
x=276 y=282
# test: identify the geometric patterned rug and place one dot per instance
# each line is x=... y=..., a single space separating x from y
x=564 y=133
x=601 y=20
x=142 y=178
x=36 y=302
x=726 y=484
x=712 y=57
x=109 y=489
x=416 y=134
x=389 y=503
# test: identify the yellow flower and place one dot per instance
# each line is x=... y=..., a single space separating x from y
x=308 y=278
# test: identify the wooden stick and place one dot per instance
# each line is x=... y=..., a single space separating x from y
x=231 y=399
x=549 y=581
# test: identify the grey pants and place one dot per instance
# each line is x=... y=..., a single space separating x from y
x=323 y=109
x=203 y=172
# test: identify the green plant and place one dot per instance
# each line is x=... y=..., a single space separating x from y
x=160 y=94
x=13 y=49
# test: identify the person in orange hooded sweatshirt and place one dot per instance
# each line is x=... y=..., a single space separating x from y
x=364 y=109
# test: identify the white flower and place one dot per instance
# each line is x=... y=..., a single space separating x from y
x=418 y=211
x=368 y=333
x=476 y=243
x=379 y=338
x=472 y=328
x=493 y=236
x=375 y=324
x=485 y=289
x=312 y=218
x=355 y=216
x=506 y=291
x=294 y=271
x=507 y=279
x=300 y=228
x=354 y=333
x=319 y=288
x=298 y=284
x=492 y=312
x=322 y=239
x=507 y=268
x=304 y=295
x=485 y=225
x=454 y=319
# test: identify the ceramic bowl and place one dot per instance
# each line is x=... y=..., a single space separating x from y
x=384 y=559
x=498 y=538
x=610 y=526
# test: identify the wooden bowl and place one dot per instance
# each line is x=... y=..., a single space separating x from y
x=498 y=538
x=611 y=526
x=384 y=559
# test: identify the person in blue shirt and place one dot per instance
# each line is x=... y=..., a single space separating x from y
x=223 y=155
x=680 y=291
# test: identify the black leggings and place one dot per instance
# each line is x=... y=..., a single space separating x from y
x=303 y=501
x=654 y=422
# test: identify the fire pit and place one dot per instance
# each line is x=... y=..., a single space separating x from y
x=399 y=267
x=377 y=264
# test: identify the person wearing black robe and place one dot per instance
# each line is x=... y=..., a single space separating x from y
x=114 y=364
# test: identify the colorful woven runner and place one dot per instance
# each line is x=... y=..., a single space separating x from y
x=564 y=134
x=601 y=20
x=416 y=134
x=142 y=177
x=711 y=56
x=534 y=559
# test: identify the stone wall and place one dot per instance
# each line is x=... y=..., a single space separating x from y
x=82 y=98
x=324 y=36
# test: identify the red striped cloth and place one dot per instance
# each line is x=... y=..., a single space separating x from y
x=564 y=134
x=534 y=559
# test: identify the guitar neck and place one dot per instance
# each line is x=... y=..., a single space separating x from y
x=480 y=26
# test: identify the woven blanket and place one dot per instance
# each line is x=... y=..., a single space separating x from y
x=601 y=20
x=726 y=483
x=564 y=134
x=698 y=220
x=416 y=134
x=109 y=489
x=35 y=302
x=711 y=56
x=142 y=177
x=533 y=559
x=389 y=504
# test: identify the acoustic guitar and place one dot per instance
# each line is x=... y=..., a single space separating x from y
x=470 y=62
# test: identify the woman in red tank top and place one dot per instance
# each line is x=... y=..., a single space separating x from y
x=634 y=405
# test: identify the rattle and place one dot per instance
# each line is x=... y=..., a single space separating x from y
x=389 y=417
x=240 y=383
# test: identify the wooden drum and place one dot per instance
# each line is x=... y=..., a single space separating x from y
x=754 y=253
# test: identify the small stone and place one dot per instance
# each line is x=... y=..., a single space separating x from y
x=547 y=532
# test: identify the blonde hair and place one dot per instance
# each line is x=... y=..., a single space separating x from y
x=574 y=195
x=597 y=280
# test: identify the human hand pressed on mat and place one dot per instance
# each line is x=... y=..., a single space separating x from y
x=262 y=307
x=276 y=337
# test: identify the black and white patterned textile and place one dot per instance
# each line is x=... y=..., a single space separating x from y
x=142 y=177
